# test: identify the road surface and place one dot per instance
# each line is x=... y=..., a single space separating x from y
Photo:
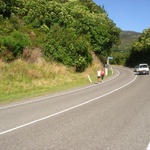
x=113 y=115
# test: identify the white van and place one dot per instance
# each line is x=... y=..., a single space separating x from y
x=143 y=69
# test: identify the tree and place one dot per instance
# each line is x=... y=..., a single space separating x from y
x=140 y=50
x=7 y=7
x=67 y=30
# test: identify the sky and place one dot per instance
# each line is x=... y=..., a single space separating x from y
x=129 y=15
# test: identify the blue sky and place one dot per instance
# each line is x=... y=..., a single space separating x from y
x=131 y=15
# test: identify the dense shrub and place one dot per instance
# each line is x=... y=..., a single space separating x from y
x=13 y=45
x=66 y=47
x=67 y=31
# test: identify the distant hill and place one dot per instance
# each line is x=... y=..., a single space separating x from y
x=126 y=39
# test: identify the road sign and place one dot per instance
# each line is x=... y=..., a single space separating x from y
x=110 y=57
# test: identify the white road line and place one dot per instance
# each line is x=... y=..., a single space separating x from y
x=60 y=112
x=47 y=97
x=148 y=148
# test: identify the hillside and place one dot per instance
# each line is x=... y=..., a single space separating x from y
x=127 y=38
x=122 y=51
x=51 y=45
x=65 y=31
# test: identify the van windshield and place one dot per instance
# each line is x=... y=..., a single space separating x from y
x=143 y=66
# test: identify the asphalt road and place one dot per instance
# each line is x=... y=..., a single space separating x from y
x=113 y=115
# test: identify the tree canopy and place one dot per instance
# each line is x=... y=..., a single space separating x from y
x=140 y=49
x=66 y=30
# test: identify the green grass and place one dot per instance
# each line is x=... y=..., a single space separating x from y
x=13 y=91
x=20 y=80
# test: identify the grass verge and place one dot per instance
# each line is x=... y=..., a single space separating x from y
x=20 y=80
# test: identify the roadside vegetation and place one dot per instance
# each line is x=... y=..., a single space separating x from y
x=66 y=31
x=21 y=79
x=48 y=45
